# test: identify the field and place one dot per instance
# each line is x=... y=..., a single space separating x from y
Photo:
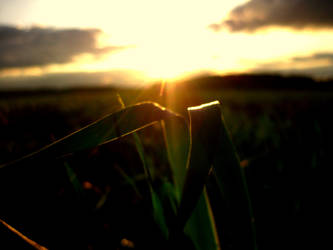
x=283 y=139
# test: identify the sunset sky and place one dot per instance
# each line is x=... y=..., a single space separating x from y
x=137 y=41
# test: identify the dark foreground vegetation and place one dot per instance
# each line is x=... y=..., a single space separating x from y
x=281 y=128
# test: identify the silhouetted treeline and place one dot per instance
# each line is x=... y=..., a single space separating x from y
x=237 y=81
x=260 y=81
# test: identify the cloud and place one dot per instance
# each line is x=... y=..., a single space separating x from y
x=321 y=72
x=296 y=14
x=318 y=65
x=43 y=46
x=315 y=57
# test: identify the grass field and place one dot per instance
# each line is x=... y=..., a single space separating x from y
x=283 y=139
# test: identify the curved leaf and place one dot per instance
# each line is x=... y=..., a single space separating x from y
x=194 y=209
x=111 y=127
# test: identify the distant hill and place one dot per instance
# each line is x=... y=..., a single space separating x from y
x=257 y=82
x=237 y=82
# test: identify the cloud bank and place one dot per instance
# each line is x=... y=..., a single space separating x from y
x=296 y=14
x=43 y=46
x=318 y=56
x=321 y=71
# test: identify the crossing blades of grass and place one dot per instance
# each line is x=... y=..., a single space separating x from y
x=109 y=128
x=193 y=154
x=126 y=121
x=157 y=207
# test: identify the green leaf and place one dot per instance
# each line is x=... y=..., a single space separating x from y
x=212 y=150
x=73 y=178
x=158 y=213
x=204 y=124
x=167 y=192
x=201 y=226
x=231 y=185
x=111 y=127
x=139 y=147
x=158 y=210
x=128 y=180
x=177 y=140
x=157 y=207
x=194 y=209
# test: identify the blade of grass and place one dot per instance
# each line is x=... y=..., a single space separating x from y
x=111 y=127
x=232 y=185
x=157 y=207
x=204 y=124
x=129 y=180
x=103 y=199
x=177 y=141
x=194 y=210
x=168 y=200
x=73 y=178
x=201 y=227
x=158 y=213
x=22 y=237
x=168 y=196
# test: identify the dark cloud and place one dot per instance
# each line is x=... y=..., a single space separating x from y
x=308 y=69
x=322 y=72
x=43 y=46
x=296 y=14
x=315 y=57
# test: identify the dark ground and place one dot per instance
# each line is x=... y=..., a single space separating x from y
x=283 y=137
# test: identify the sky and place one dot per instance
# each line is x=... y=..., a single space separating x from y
x=138 y=41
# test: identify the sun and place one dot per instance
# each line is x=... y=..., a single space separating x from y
x=164 y=40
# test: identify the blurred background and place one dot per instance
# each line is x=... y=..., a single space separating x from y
x=64 y=64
